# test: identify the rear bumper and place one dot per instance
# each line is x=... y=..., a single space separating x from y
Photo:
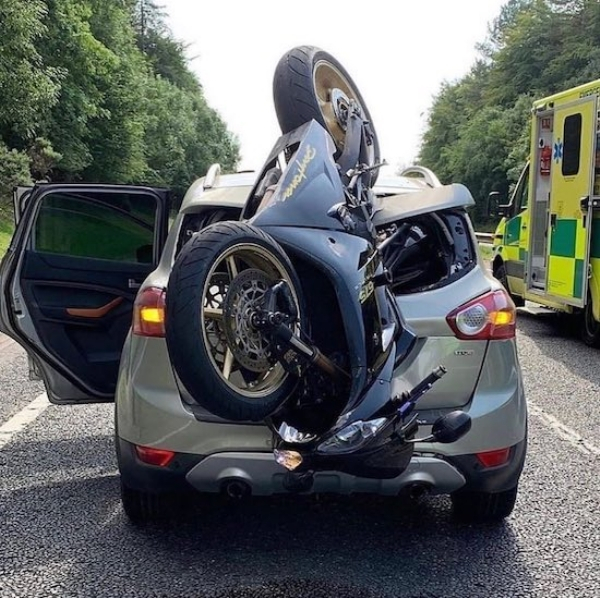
x=263 y=476
x=150 y=412
x=493 y=479
x=260 y=475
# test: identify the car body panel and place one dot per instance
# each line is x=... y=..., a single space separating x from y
x=21 y=193
x=436 y=199
x=150 y=412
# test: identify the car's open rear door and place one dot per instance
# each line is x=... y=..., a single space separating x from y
x=70 y=276
x=20 y=196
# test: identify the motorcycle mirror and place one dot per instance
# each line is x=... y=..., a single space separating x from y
x=451 y=427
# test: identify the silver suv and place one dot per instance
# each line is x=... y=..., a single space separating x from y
x=83 y=290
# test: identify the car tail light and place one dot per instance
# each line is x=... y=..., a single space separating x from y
x=494 y=458
x=489 y=317
x=154 y=456
x=149 y=313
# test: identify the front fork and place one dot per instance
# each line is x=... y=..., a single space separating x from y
x=290 y=349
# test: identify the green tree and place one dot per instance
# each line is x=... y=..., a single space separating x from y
x=183 y=137
x=96 y=124
x=14 y=170
x=101 y=91
x=478 y=127
x=28 y=87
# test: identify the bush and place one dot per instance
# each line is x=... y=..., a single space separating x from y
x=14 y=170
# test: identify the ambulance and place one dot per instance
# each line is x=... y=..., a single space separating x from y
x=547 y=245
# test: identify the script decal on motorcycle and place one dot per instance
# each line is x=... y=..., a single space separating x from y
x=366 y=291
x=300 y=175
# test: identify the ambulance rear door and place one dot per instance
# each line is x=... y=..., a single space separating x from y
x=571 y=187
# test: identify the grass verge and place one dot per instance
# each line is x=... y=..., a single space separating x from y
x=486 y=252
x=6 y=230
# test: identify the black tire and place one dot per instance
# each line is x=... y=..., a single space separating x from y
x=295 y=93
x=483 y=507
x=143 y=508
x=194 y=359
x=500 y=274
x=590 y=327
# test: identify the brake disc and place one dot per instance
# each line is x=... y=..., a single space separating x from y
x=244 y=297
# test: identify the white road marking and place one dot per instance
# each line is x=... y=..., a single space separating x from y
x=20 y=420
x=562 y=431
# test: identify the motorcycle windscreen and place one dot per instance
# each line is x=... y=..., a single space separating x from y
x=308 y=187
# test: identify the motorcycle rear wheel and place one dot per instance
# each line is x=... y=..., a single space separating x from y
x=311 y=84
x=218 y=281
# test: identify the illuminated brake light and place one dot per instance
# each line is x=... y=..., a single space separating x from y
x=154 y=456
x=489 y=317
x=494 y=458
x=149 y=313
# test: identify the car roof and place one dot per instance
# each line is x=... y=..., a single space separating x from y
x=227 y=190
x=232 y=190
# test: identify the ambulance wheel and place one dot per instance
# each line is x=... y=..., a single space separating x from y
x=590 y=327
x=500 y=274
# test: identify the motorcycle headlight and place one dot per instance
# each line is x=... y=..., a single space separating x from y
x=352 y=437
x=290 y=434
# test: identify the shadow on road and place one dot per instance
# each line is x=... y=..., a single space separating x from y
x=72 y=535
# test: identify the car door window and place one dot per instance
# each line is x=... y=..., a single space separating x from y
x=118 y=227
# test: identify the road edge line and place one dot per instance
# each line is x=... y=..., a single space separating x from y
x=18 y=422
x=563 y=431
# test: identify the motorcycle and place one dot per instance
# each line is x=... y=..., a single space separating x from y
x=288 y=316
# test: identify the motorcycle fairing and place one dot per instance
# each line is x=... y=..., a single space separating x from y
x=308 y=187
x=335 y=254
x=384 y=457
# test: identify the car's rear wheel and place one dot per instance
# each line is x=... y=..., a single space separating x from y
x=142 y=508
x=480 y=507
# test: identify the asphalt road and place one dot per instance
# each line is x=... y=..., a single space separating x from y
x=62 y=532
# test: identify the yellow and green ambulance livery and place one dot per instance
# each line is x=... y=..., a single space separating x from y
x=547 y=245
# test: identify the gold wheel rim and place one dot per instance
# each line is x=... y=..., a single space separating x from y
x=232 y=262
x=328 y=81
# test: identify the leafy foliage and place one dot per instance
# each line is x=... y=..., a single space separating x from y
x=14 y=170
x=478 y=127
x=100 y=91
x=27 y=85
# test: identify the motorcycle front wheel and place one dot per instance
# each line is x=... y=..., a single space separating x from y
x=311 y=84
x=217 y=284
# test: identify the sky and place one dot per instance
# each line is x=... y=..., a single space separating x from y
x=398 y=53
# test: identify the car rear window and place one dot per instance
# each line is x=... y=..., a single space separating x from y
x=428 y=251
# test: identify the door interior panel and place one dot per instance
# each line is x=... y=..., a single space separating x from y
x=82 y=310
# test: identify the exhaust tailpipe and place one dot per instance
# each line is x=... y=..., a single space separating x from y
x=236 y=489
x=416 y=490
